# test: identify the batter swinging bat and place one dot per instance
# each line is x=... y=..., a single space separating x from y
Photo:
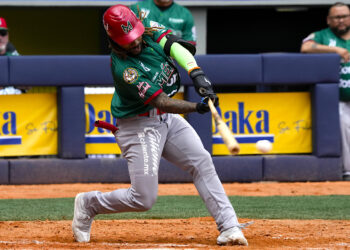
x=226 y=134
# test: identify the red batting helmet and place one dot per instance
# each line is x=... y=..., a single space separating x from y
x=122 y=25
x=3 y=25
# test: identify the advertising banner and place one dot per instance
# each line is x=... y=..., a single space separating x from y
x=99 y=140
x=281 y=118
x=28 y=124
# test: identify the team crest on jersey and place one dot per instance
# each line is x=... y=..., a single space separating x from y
x=127 y=28
x=332 y=43
x=130 y=75
x=154 y=24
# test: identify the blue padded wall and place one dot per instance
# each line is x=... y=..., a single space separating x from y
x=55 y=171
x=71 y=122
x=4 y=172
x=4 y=70
x=60 y=70
x=239 y=168
x=228 y=69
x=51 y=171
x=200 y=122
x=325 y=120
x=301 y=168
x=296 y=68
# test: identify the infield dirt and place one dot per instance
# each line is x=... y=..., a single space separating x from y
x=194 y=233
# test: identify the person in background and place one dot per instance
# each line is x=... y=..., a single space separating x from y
x=7 y=49
x=336 y=39
x=170 y=14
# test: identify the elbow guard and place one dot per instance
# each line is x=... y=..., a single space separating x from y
x=172 y=39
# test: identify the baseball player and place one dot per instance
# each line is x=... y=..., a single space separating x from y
x=174 y=16
x=336 y=39
x=150 y=127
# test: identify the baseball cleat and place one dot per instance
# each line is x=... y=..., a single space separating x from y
x=81 y=225
x=232 y=236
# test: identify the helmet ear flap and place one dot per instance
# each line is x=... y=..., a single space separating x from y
x=122 y=25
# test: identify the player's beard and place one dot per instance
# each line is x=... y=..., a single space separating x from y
x=340 y=32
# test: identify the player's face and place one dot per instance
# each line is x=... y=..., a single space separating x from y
x=4 y=38
x=339 y=19
x=163 y=3
x=135 y=47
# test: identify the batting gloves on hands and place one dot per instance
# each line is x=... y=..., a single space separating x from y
x=203 y=107
x=203 y=85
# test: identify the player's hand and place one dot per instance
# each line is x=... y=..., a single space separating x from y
x=344 y=53
x=215 y=99
x=201 y=82
x=203 y=107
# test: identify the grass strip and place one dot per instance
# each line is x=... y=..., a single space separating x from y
x=330 y=207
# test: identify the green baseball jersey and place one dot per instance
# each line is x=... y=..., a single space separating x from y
x=139 y=79
x=10 y=50
x=327 y=37
x=176 y=17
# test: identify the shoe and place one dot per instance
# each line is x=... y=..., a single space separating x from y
x=82 y=221
x=346 y=177
x=232 y=236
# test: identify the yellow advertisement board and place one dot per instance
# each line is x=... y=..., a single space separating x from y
x=28 y=124
x=98 y=140
x=282 y=118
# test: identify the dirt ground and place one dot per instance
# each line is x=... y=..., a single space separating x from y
x=194 y=233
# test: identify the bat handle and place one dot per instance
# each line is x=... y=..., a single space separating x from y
x=106 y=125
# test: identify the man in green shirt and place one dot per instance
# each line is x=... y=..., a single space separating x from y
x=6 y=48
x=170 y=14
x=149 y=125
x=336 y=39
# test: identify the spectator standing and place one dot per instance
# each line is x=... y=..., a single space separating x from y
x=7 y=49
x=170 y=14
x=336 y=39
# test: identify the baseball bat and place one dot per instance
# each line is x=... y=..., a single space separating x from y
x=226 y=134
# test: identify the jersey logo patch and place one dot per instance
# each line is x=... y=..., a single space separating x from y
x=332 y=43
x=154 y=24
x=127 y=28
x=130 y=75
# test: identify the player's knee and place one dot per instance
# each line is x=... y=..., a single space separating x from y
x=144 y=202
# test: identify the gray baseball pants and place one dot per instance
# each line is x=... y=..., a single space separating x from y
x=143 y=140
x=344 y=113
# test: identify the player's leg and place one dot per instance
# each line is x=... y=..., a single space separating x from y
x=141 y=140
x=185 y=149
x=344 y=113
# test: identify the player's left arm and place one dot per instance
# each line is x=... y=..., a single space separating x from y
x=187 y=61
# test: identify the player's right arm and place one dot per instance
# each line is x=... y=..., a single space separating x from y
x=170 y=105
x=309 y=45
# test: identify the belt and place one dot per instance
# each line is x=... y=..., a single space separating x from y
x=152 y=112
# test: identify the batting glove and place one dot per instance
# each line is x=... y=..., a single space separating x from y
x=201 y=82
x=203 y=107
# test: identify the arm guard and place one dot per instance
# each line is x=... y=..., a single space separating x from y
x=172 y=39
